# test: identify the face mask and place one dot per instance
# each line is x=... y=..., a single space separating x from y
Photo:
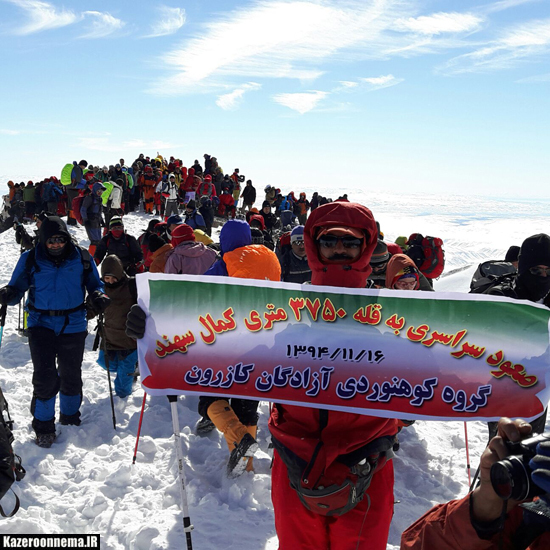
x=536 y=287
x=117 y=232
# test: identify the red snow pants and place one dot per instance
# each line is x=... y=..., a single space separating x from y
x=362 y=528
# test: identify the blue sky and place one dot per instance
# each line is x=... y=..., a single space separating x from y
x=429 y=96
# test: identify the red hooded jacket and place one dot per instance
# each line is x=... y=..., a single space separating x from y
x=297 y=428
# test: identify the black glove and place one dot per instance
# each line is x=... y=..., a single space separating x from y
x=97 y=302
x=135 y=322
x=7 y=294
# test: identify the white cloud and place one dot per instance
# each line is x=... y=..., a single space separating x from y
x=379 y=82
x=534 y=79
x=170 y=21
x=438 y=23
x=279 y=39
x=232 y=100
x=504 y=5
x=514 y=45
x=348 y=84
x=103 y=24
x=6 y=132
x=301 y=102
x=42 y=16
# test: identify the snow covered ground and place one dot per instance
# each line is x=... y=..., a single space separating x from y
x=86 y=482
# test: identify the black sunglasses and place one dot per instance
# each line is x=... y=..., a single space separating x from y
x=331 y=241
x=540 y=271
x=57 y=240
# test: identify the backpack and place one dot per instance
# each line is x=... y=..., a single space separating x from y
x=75 y=207
x=427 y=253
x=32 y=266
x=490 y=274
x=10 y=464
x=66 y=174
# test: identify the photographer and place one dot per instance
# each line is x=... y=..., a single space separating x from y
x=483 y=520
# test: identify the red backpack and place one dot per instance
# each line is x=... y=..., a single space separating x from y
x=75 y=207
x=427 y=253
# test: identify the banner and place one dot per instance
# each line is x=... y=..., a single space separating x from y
x=388 y=353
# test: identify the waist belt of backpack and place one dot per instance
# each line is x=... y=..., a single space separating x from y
x=58 y=313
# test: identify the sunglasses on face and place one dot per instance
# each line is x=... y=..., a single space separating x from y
x=57 y=240
x=540 y=271
x=331 y=241
x=298 y=243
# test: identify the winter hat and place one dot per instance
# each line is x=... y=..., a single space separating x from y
x=174 y=219
x=112 y=266
x=115 y=222
x=297 y=234
x=534 y=251
x=257 y=235
x=266 y=203
x=151 y=225
x=155 y=242
x=182 y=233
x=191 y=205
x=512 y=254
x=208 y=177
x=380 y=254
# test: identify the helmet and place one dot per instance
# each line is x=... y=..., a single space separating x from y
x=267 y=188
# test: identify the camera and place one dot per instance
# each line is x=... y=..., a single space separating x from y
x=511 y=477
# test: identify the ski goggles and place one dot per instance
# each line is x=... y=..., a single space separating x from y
x=57 y=240
x=540 y=271
x=331 y=241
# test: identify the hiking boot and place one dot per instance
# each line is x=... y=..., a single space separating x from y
x=69 y=420
x=45 y=440
x=204 y=426
x=238 y=459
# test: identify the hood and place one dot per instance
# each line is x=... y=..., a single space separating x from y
x=234 y=234
x=112 y=265
x=254 y=261
x=98 y=187
x=340 y=214
x=191 y=171
x=190 y=249
x=52 y=225
x=259 y=219
x=397 y=263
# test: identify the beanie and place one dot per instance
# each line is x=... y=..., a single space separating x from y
x=380 y=254
x=512 y=254
x=534 y=251
x=208 y=177
x=257 y=235
x=191 y=205
x=116 y=220
x=181 y=234
x=266 y=203
x=297 y=234
x=155 y=242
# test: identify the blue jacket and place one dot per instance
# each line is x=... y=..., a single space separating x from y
x=55 y=288
x=234 y=234
x=195 y=220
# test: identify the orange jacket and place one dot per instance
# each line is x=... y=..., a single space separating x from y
x=448 y=526
x=159 y=258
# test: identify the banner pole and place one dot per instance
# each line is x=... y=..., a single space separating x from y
x=467 y=453
x=139 y=427
x=187 y=527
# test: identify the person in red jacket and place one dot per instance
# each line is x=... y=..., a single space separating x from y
x=476 y=521
x=319 y=453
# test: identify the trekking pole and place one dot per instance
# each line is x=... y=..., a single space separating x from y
x=106 y=355
x=3 y=311
x=139 y=427
x=467 y=453
x=187 y=527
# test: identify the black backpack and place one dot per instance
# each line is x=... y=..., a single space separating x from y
x=10 y=464
x=490 y=274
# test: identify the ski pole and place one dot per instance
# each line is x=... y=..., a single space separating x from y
x=106 y=355
x=3 y=311
x=139 y=427
x=467 y=453
x=187 y=527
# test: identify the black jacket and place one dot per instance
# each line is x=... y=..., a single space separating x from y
x=126 y=248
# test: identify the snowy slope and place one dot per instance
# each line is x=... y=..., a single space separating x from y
x=86 y=482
